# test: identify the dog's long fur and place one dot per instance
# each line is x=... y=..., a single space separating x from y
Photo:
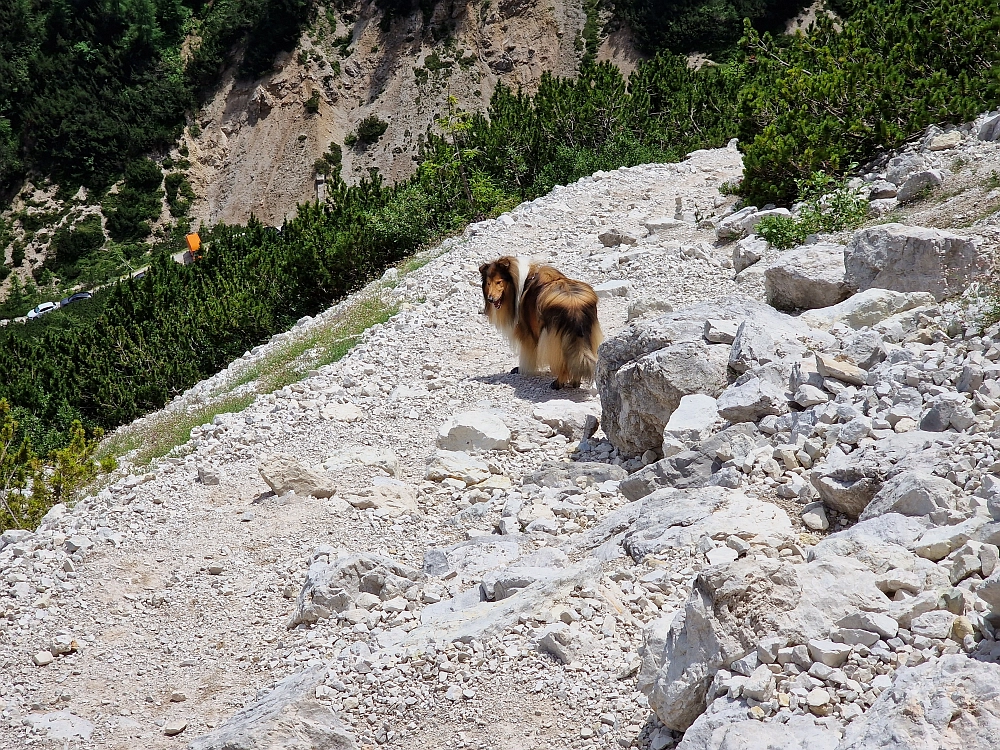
x=548 y=318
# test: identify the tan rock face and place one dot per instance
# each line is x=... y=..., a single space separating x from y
x=258 y=142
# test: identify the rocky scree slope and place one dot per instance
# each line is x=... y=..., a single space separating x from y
x=783 y=533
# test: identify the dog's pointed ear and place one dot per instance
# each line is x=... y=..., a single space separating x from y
x=504 y=262
x=483 y=269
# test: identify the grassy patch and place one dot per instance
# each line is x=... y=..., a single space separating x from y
x=290 y=363
x=287 y=364
x=164 y=431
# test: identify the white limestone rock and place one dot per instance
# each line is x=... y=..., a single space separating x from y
x=928 y=708
x=456 y=465
x=730 y=605
x=809 y=276
x=912 y=259
x=284 y=473
x=916 y=493
x=565 y=416
x=474 y=431
x=693 y=418
x=288 y=717
x=867 y=308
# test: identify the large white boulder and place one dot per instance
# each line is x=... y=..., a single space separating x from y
x=284 y=473
x=867 y=308
x=912 y=259
x=807 y=277
x=730 y=606
x=289 y=717
x=751 y=401
x=677 y=519
x=565 y=416
x=456 y=465
x=644 y=371
x=475 y=431
x=693 y=418
x=725 y=726
x=917 y=183
x=917 y=493
x=952 y=702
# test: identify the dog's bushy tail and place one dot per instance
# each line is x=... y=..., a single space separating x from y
x=580 y=354
x=570 y=309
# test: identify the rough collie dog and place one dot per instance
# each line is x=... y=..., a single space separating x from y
x=548 y=318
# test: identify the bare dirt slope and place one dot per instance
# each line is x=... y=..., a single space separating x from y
x=258 y=142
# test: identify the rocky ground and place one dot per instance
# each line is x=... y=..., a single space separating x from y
x=784 y=531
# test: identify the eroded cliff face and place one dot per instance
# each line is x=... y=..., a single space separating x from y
x=258 y=140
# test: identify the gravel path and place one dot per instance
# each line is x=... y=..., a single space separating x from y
x=177 y=591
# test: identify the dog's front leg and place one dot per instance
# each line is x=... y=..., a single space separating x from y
x=526 y=364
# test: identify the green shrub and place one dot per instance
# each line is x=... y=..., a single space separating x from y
x=819 y=102
x=30 y=485
x=700 y=25
x=371 y=129
x=312 y=103
x=10 y=154
x=180 y=194
x=329 y=164
x=32 y=222
x=829 y=206
x=71 y=243
x=137 y=203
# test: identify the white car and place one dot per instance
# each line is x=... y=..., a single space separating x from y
x=42 y=309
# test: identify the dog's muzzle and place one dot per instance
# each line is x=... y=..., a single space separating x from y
x=495 y=302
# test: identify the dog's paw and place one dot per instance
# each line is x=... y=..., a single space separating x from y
x=555 y=385
x=515 y=370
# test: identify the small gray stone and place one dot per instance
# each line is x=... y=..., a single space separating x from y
x=174 y=727
x=917 y=182
x=814 y=517
x=613 y=289
x=615 y=237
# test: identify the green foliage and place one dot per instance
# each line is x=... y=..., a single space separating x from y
x=701 y=25
x=991 y=307
x=590 y=39
x=29 y=485
x=263 y=28
x=829 y=206
x=371 y=129
x=10 y=154
x=180 y=194
x=88 y=86
x=329 y=164
x=435 y=63
x=312 y=103
x=70 y=243
x=137 y=203
x=32 y=221
x=819 y=102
